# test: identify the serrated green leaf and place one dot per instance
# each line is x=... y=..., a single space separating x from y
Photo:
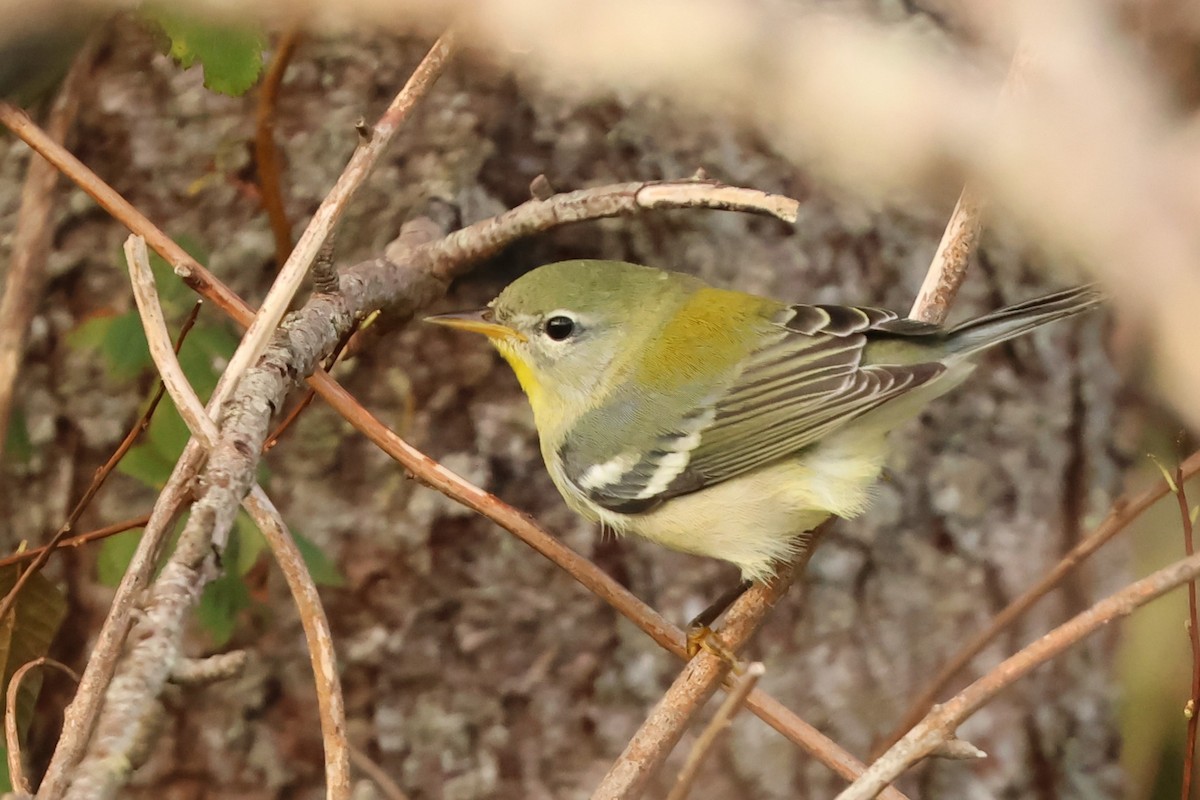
x=26 y=634
x=115 y=554
x=222 y=601
x=324 y=572
x=230 y=55
x=250 y=542
x=124 y=347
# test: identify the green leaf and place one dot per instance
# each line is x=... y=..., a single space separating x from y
x=250 y=542
x=151 y=461
x=322 y=568
x=1167 y=476
x=204 y=349
x=168 y=433
x=146 y=465
x=17 y=446
x=26 y=634
x=192 y=246
x=90 y=334
x=5 y=778
x=119 y=340
x=173 y=294
x=230 y=55
x=222 y=601
x=197 y=367
x=124 y=347
x=115 y=554
x=225 y=597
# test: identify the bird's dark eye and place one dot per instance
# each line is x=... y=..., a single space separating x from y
x=559 y=328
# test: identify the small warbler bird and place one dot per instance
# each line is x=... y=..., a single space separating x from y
x=717 y=422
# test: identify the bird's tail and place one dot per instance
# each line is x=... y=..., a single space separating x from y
x=1008 y=323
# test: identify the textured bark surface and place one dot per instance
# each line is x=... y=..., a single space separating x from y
x=472 y=667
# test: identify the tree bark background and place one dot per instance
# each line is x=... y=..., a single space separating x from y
x=472 y=667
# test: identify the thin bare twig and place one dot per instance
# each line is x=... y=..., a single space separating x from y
x=78 y=539
x=942 y=720
x=949 y=267
x=1193 y=629
x=1124 y=511
x=80 y=714
x=961 y=237
x=706 y=193
x=716 y=726
x=210 y=669
x=12 y=734
x=318 y=637
x=276 y=303
x=31 y=239
x=143 y=422
x=700 y=678
x=145 y=294
x=262 y=510
x=79 y=718
x=388 y=787
x=448 y=257
x=266 y=149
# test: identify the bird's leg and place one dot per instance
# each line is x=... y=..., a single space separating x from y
x=700 y=634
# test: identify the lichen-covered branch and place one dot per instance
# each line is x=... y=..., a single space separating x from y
x=270 y=522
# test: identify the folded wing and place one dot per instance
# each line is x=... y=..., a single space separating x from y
x=804 y=383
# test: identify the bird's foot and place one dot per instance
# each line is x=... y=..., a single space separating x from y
x=702 y=637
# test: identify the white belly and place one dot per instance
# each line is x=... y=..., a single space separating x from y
x=759 y=519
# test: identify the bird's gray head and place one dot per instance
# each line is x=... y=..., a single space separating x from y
x=562 y=324
x=573 y=317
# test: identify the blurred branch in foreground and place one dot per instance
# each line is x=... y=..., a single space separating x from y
x=1091 y=160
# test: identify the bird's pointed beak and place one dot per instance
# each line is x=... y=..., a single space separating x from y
x=480 y=321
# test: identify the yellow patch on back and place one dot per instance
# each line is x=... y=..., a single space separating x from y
x=711 y=332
